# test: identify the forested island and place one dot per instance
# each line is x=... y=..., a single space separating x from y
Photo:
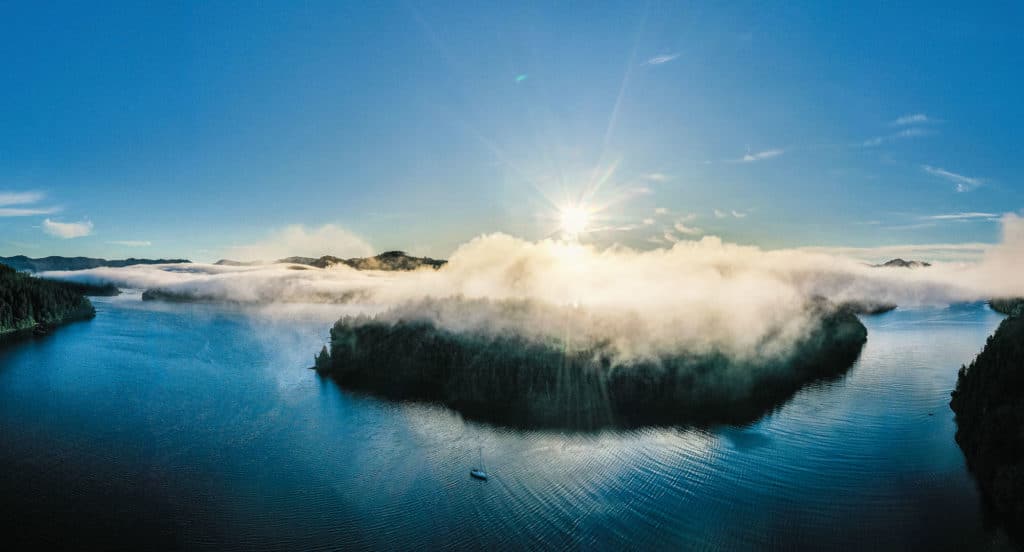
x=900 y=263
x=389 y=260
x=29 y=304
x=511 y=380
x=989 y=406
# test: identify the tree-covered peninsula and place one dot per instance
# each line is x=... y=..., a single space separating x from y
x=34 y=304
x=989 y=406
x=513 y=380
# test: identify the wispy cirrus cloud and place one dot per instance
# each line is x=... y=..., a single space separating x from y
x=963 y=183
x=682 y=228
x=23 y=204
x=913 y=119
x=131 y=243
x=901 y=135
x=67 y=230
x=655 y=177
x=914 y=226
x=761 y=155
x=731 y=213
x=963 y=216
x=27 y=211
x=19 y=198
x=661 y=59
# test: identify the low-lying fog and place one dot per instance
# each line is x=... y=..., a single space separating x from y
x=695 y=295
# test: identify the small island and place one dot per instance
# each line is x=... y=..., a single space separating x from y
x=900 y=263
x=389 y=260
x=33 y=305
x=512 y=380
x=989 y=406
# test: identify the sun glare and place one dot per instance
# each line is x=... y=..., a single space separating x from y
x=574 y=220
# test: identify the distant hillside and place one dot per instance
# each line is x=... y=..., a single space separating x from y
x=229 y=262
x=900 y=263
x=389 y=260
x=23 y=263
x=34 y=304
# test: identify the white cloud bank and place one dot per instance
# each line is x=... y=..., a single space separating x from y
x=694 y=295
x=67 y=230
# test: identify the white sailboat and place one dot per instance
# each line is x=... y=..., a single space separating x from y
x=481 y=472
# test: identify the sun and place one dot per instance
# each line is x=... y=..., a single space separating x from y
x=574 y=220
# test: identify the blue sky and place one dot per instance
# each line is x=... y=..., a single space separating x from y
x=195 y=130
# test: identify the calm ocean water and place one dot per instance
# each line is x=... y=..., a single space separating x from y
x=196 y=426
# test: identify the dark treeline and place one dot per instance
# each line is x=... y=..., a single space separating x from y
x=28 y=303
x=98 y=290
x=989 y=406
x=868 y=307
x=1007 y=306
x=514 y=381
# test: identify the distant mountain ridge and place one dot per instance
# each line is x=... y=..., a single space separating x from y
x=900 y=263
x=22 y=263
x=389 y=260
x=229 y=262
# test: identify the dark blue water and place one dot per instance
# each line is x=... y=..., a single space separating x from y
x=185 y=426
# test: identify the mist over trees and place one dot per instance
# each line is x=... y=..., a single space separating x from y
x=28 y=303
